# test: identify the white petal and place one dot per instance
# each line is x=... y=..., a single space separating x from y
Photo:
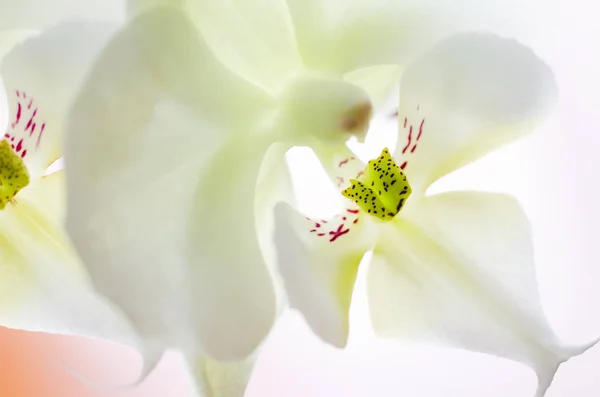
x=155 y=110
x=458 y=270
x=41 y=77
x=339 y=162
x=44 y=287
x=254 y=38
x=221 y=379
x=10 y=38
x=318 y=260
x=467 y=96
x=274 y=185
x=379 y=82
x=344 y=35
x=40 y=14
x=233 y=289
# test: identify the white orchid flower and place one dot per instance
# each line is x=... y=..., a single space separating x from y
x=43 y=286
x=454 y=268
x=175 y=149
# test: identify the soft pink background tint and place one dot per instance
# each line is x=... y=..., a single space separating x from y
x=554 y=173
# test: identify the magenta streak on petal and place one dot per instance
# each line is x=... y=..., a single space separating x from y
x=338 y=233
x=37 y=145
x=341 y=224
x=346 y=161
x=18 y=117
x=24 y=135
x=30 y=119
x=409 y=140
x=420 y=129
x=336 y=227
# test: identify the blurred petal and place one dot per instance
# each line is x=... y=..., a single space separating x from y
x=48 y=195
x=466 y=97
x=155 y=112
x=41 y=77
x=222 y=379
x=10 y=38
x=344 y=35
x=457 y=269
x=254 y=38
x=44 y=287
x=274 y=185
x=233 y=289
x=40 y=14
x=378 y=81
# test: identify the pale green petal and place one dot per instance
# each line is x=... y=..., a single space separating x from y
x=378 y=81
x=254 y=38
x=274 y=185
x=318 y=260
x=12 y=37
x=40 y=14
x=144 y=133
x=221 y=379
x=43 y=286
x=41 y=76
x=457 y=270
x=232 y=286
x=344 y=35
x=464 y=98
x=339 y=162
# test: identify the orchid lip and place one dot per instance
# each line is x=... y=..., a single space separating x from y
x=382 y=189
x=13 y=173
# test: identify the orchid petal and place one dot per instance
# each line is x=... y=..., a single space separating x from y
x=154 y=114
x=467 y=96
x=457 y=269
x=254 y=38
x=274 y=185
x=41 y=76
x=344 y=35
x=41 y=14
x=318 y=259
x=378 y=81
x=10 y=38
x=221 y=379
x=44 y=287
x=233 y=288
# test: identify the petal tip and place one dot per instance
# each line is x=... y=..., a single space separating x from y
x=546 y=371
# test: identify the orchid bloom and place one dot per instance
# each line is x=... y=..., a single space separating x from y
x=454 y=268
x=176 y=142
x=44 y=287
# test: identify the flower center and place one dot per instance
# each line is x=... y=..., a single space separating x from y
x=13 y=174
x=382 y=189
